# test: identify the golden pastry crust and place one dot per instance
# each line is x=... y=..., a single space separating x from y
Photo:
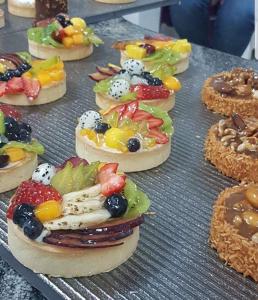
x=237 y=251
x=227 y=105
x=239 y=166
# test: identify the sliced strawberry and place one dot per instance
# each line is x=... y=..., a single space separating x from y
x=31 y=88
x=2 y=88
x=114 y=184
x=14 y=86
x=34 y=193
x=141 y=115
x=120 y=109
x=154 y=122
x=130 y=110
x=107 y=170
x=161 y=138
x=149 y=92
x=9 y=111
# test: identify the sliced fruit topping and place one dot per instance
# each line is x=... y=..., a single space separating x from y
x=110 y=181
x=14 y=86
x=130 y=109
x=160 y=137
x=89 y=119
x=44 y=173
x=154 y=122
x=116 y=204
x=98 y=76
x=149 y=48
x=48 y=210
x=9 y=111
x=101 y=127
x=148 y=92
x=2 y=123
x=117 y=138
x=4 y=161
x=106 y=71
x=78 y=23
x=141 y=115
x=22 y=213
x=34 y=146
x=172 y=83
x=133 y=145
x=31 y=88
x=2 y=88
x=32 y=228
x=34 y=193
x=135 y=51
x=15 y=154
x=75 y=161
x=133 y=66
x=119 y=88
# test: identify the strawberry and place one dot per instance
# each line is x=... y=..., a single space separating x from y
x=161 y=138
x=110 y=181
x=31 y=192
x=130 y=109
x=31 y=88
x=154 y=122
x=148 y=92
x=2 y=88
x=9 y=111
x=14 y=86
x=58 y=35
x=141 y=115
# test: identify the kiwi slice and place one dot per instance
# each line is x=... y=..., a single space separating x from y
x=143 y=204
x=90 y=174
x=62 y=181
x=2 y=125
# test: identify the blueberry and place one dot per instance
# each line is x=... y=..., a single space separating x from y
x=11 y=125
x=63 y=20
x=155 y=81
x=26 y=127
x=133 y=145
x=9 y=74
x=22 y=213
x=146 y=75
x=24 y=67
x=32 y=228
x=4 y=160
x=116 y=204
x=24 y=136
x=12 y=136
x=17 y=73
x=101 y=127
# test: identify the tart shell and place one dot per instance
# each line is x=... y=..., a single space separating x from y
x=46 y=95
x=105 y=102
x=12 y=177
x=128 y=162
x=66 y=54
x=227 y=105
x=237 y=251
x=181 y=66
x=116 y=1
x=68 y=262
x=239 y=166
x=15 y=8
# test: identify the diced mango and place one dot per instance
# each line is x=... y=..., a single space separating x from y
x=91 y=134
x=27 y=74
x=78 y=23
x=48 y=210
x=136 y=52
x=78 y=39
x=69 y=30
x=44 y=78
x=57 y=75
x=67 y=42
x=15 y=154
x=182 y=46
x=172 y=83
x=162 y=44
x=117 y=138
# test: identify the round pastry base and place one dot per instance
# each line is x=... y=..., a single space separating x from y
x=2 y=21
x=46 y=95
x=237 y=251
x=181 y=66
x=68 y=262
x=12 y=177
x=228 y=105
x=116 y=1
x=128 y=162
x=239 y=166
x=105 y=102
x=17 y=9
x=66 y=54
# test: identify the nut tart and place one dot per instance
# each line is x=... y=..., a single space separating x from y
x=27 y=82
x=69 y=38
x=161 y=55
x=232 y=146
x=233 y=91
x=18 y=151
x=234 y=228
x=117 y=85
x=77 y=219
x=22 y=8
x=2 y=21
x=135 y=135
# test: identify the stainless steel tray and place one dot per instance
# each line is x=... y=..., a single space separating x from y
x=173 y=260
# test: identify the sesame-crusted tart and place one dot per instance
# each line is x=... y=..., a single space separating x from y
x=232 y=91
x=232 y=146
x=234 y=228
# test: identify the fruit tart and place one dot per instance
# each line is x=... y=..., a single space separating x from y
x=22 y=8
x=234 y=229
x=135 y=135
x=26 y=82
x=117 y=85
x=2 y=21
x=71 y=39
x=233 y=91
x=77 y=219
x=232 y=146
x=18 y=151
x=161 y=55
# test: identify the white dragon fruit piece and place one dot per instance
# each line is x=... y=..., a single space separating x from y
x=133 y=66
x=119 y=88
x=138 y=80
x=89 y=119
x=123 y=74
x=44 y=173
